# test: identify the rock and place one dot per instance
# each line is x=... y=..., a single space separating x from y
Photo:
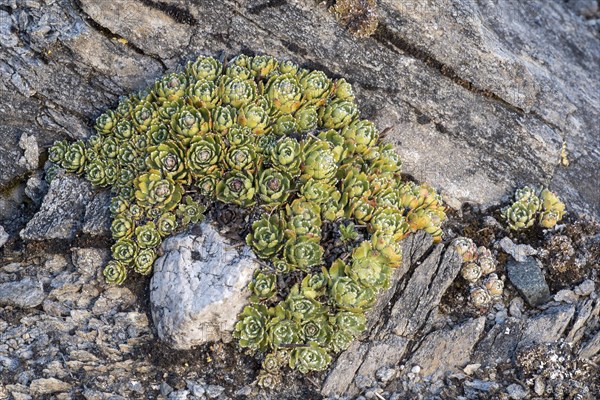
x=548 y=326
x=48 y=386
x=566 y=296
x=499 y=344
x=591 y=349
x=36 y=187
x=539 y=386
x=585 y=8
x=199 y=287
x=214 y=391
x=516 y=307
x=528 y=278
x=444 y=351
x=3 y=236
x=97 y=218
x=62 y=210
x=179 y=395
x=482 y=386
x=516 y=391
x=24 y=294
x=89 y=261
x=31 y=153
x=518 y=251
x=586 y=311
x=385 y=374
x=471 y=368
x=418 y=297
x=585 y=288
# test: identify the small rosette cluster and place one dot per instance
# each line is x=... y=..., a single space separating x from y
x=478 y=269
x=531 y=206
x=288 y=142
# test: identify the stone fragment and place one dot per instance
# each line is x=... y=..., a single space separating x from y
x=3 y=236
x=48 y=386
x=585 y=288
x=592 y=348
x=528 y=278
x=31 y=153
x=548 y=326
x=214 y=391
x=518 y=251
x=62 y=210
x=516 y=391
x=25 y=293
x=566 y=296
x=199 y=287
x=97 y=218
x=443 y=351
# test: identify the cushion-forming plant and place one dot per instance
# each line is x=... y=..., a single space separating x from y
x=288 y=143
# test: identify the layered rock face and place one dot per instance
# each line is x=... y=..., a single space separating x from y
x=478 y=97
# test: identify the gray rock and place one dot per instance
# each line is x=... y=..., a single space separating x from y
x=566 y=296
x=548 y=326
x=214 y=391
x=585 y=288
x=518 y=251
x=179 y=395
x=516 y=307
x=386 y=374
x=585 y=8
x=516 y=391
x=97 y=219
x=591 y=350
x=418 y=297
x=528 y=278
x=586 y=311
x=36 y=187
x=62 y=210
x=3 y=236
x=199 y=286
x=443 y=351
x=24 y=294
x=31 y=153
x=48 y=386
x=482 y=386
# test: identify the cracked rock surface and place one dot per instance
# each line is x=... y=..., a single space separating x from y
x=502 y=85
x=199 y=286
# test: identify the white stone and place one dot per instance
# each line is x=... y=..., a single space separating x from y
x=199 y=286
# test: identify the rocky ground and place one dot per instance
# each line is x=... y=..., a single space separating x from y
x=480 y=97
x=67 y=334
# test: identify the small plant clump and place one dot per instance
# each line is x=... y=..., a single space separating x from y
x=531 y=206
x=358 y=16
x=286 y=142
x=478 y=269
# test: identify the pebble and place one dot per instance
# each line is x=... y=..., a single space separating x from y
x=213 y=391
x=416 y=369
x=566 y=296
x=385 y=374
x=482 y=386
x=500 y=317
x=197 y=390
x=471 y=368
x=165 y=389
x=539 y=387
x=3 y=236
x=516 y=391
x=516 y=307
x=518 y=251
x=179 y=395
x=585 y=288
